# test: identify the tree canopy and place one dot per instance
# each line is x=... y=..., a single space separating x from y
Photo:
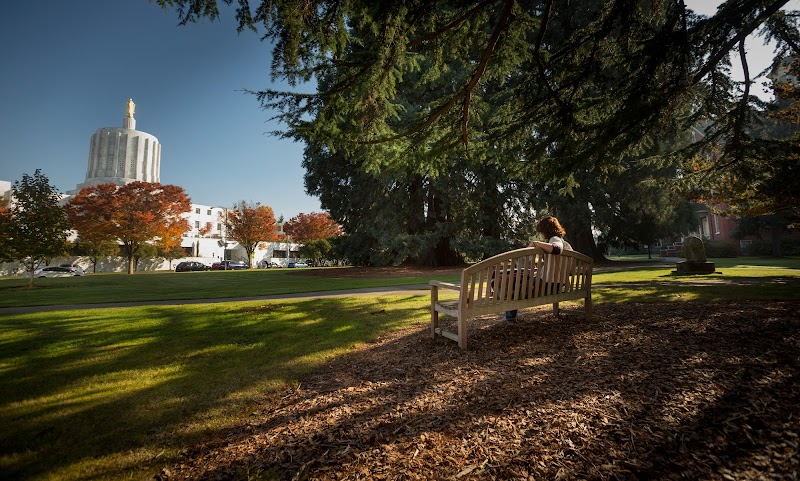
x=34 y=227
x=137 y=215
x=601 y=73
x=304 y=228
x=249 y=225
x=474 y=116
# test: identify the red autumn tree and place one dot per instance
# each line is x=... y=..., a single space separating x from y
x=169 y=244
x=91 y=218
x=205 y=230
x=312 y=227
x=251 y=224
x=135 y=214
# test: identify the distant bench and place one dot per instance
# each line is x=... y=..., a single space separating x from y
x=513 y=280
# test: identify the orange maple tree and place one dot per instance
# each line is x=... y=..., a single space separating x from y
x=312 y=227
x=92 y=222
x=134 y=214
x=250 y=225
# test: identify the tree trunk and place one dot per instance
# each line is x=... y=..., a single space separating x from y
x=441 y=255
x=776 y=231
x=579 y=233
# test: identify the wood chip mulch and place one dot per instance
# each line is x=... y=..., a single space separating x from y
x=693 y=390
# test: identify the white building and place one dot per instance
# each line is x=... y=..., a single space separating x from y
x=5 y=190
x=206 y=240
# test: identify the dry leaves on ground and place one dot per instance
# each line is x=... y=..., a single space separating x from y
x=645 y=391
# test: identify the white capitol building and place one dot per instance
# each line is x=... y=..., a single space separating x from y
x=120 y=156
x=123 y=155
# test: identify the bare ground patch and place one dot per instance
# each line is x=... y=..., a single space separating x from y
x=692 y=390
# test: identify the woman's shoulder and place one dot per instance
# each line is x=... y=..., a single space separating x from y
x=560 y=241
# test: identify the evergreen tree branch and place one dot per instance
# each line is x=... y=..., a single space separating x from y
x=717 y=57
x=450 y=26
x=477 y=74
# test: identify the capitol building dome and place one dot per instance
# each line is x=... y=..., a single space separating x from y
x=122 y=155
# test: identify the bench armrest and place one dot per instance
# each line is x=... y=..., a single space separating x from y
x=446 y=285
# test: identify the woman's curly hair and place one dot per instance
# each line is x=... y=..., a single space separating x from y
x=550 y=227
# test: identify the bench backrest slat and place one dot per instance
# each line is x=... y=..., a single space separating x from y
x=524 y=274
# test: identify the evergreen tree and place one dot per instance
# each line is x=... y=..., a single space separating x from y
x=469 y=118
x=609 y=71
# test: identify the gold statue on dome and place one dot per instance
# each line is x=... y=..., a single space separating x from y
x=131 y=108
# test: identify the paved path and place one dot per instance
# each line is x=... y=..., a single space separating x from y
x=416 y=289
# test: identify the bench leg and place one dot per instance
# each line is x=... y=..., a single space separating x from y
x=555 y=309
x=434 y=312
x=462 y=331
x=587 y=308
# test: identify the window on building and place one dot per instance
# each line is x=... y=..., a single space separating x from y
x=197 y=224
x=197 y=210
x=279 y=254
x=716 y=224
x=219 y=227
x=209 y=212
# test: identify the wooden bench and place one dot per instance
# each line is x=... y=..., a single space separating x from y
x=512 y=280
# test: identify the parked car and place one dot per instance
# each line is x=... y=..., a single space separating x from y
x=230 y=265
x=297 y=264
x=265 y=264
x=56 y=271
x=188 y=266
x=78 y=270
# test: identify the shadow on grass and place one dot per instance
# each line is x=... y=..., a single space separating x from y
x=90 y=394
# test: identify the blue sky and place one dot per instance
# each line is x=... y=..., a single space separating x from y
x=68 y=68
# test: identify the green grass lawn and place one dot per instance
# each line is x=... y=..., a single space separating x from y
x=116 y=393
x=154 y=286
x=740 y=278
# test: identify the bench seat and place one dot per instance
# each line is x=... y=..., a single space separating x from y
x=512 y=280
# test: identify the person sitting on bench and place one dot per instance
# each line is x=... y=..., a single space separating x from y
x=550 y=229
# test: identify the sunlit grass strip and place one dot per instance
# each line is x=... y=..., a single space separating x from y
x=661 y=274
x=787 y=289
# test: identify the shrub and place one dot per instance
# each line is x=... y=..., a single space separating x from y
x=758 y=248
x=721 y=249
x=715 y=249
x=789 y=247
